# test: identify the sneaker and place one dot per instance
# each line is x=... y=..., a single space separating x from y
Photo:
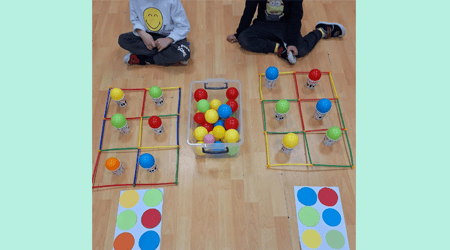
x=131 y=59
x=331 y=29
x=180 y=63
x=282 y=52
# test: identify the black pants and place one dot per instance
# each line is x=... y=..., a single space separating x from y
x=262 y=37
x=175 y=52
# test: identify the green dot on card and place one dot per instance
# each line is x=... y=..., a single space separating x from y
x=152 y=197
x=126 y=220
x=309 y=216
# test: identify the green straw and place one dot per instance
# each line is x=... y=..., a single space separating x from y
x=113 y=149
x=307 y=149
x=350 y=148
x=264 y=114
x=336 y=166
x=340 y=113
x=176 y=174
x=276 y=100
x=161 y=115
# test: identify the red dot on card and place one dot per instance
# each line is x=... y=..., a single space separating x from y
x=151 y=218
x=328 y=196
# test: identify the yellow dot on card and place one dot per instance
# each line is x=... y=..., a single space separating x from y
x=311 y=238
x=129 y=199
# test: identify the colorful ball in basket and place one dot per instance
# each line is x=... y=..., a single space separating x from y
x=233 y=105
x=271 y=76
x=209 y=138
x=322 y=108
x=211 y=116
x=200 y=94
x=232 y=93
x=281 y=109
x=290 y=140
x=333 y=134
x=147 y=162
x=224 y=111
x=199 y=150
x=218 y=149
x=231 y=136
x=209 y=127
x=119 y=97
x=219 y=123
x=120 y=122
x=156 y=124
x=200 y=132
x=114 y=165
x=203 y=105
x=157 y=95
x=313 y=78
x=219 y=132
x=214 y=104
x=199 y=118
x=233 y=150
x=231 y=123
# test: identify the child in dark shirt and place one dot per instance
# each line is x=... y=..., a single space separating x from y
x=277 y=29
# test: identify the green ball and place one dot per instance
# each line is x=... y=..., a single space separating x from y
x=334 y=133
x=233 y=150
x=118 y=120
x=155 y=92
x=282 y=106
x=203 y=105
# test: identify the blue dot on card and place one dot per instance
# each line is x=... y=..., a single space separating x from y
x=307 y=196
x=331 y=217
x=149 y=240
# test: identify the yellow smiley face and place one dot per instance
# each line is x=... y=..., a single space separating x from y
x=153 y=19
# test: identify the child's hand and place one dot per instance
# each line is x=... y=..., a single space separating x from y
x=148 y=41
x=293 y=49
x=232 y=38
x=163 y=43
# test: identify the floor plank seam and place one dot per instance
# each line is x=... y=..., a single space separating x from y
x=287 y=209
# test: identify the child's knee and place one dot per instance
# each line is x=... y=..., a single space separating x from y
x=122 y=40
x=184 y=52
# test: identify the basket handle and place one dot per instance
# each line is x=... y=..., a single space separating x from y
x=216 y=80
x=216 y=152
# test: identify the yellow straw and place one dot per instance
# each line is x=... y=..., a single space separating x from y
x=332 y=83
x=140 y=133
x=267 y=149
x=291 y=164
x=280 y=73
x=260 y=88
x=158 y=147
x=167 y=88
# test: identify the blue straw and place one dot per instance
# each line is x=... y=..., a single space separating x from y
x=135 y=171
x=107 y=101
x=101 y=137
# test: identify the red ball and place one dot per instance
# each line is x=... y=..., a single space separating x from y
x=154 y=122
x=208 y=126
x=233 y=105
x=231 y=123
x=232 y=93
x=314 y=75
x=199 y=118
x=200 y=94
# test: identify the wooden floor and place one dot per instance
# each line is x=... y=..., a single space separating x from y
x=231 y=203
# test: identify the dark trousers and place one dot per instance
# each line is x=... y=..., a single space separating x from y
x=262 y=37
x=174 y=53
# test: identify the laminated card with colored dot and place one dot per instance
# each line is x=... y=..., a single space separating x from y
x=138 y=224
x=320 y=218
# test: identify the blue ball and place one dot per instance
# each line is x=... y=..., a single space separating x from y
x=219 y=148
x=224 y=111
x=271 y=73
x=146 y=160
x=323 y=105
x=219 y=123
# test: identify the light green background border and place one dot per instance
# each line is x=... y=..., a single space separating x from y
x=402 y=115
x=46 y=78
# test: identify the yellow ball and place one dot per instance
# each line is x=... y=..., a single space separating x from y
x=214 y=104
x=198 y=150
x=231 y=136
x=200 y=132
x=211 y=116
x=219 y=132
x=290 y=140
x=211 y=133
x=116 y=94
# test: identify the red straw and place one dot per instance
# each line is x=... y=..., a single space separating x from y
x=95 y=168
x=131 y=118
x=307 y=72
x=298 y=97
x=143 y=103
x=115 y=185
